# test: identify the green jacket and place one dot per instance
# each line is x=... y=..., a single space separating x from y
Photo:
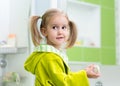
x=50 y=69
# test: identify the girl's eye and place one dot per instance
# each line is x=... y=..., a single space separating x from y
x=58 y=27
x=54 y=27
x=64 y=28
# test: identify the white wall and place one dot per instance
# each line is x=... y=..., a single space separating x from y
x=4 y=19
x=19 y=17
x=117 y=17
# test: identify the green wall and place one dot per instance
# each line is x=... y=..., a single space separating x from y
x=107 y=53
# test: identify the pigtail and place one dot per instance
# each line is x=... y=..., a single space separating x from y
x=73 y=34
x=34 y=30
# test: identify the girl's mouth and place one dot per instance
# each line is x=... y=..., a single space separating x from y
x=59 y=38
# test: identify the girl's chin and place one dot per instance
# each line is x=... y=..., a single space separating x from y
x=63 y=45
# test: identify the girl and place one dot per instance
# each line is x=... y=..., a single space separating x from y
x=48 y=62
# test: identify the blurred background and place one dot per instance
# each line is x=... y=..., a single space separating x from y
x=98 y=41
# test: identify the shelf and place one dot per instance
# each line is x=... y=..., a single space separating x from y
x=83 y=4
x=6 y=50
x=12 y=50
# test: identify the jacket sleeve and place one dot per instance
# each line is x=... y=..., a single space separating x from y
x=56 y=70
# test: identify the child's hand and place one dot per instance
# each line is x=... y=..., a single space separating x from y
x=92 y=71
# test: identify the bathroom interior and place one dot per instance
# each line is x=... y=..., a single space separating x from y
x=98 y=40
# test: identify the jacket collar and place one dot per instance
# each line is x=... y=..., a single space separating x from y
x=49 y=48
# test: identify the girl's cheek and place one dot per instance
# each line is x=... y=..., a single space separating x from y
x=68 y=35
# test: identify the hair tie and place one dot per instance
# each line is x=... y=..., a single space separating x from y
x=43 y=40
x=40 y=17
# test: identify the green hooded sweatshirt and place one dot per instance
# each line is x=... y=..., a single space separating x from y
x=50 y=68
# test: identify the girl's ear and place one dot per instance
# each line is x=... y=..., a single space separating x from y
x=43 y=31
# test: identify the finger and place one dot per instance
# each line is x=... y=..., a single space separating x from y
x=92 y=74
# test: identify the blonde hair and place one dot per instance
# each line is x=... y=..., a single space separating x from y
x=35 y=32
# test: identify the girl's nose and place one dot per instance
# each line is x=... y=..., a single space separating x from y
x=60 y=30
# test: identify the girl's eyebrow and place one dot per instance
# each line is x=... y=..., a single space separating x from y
x=62 y=24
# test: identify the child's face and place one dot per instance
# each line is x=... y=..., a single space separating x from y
x=57 y=31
